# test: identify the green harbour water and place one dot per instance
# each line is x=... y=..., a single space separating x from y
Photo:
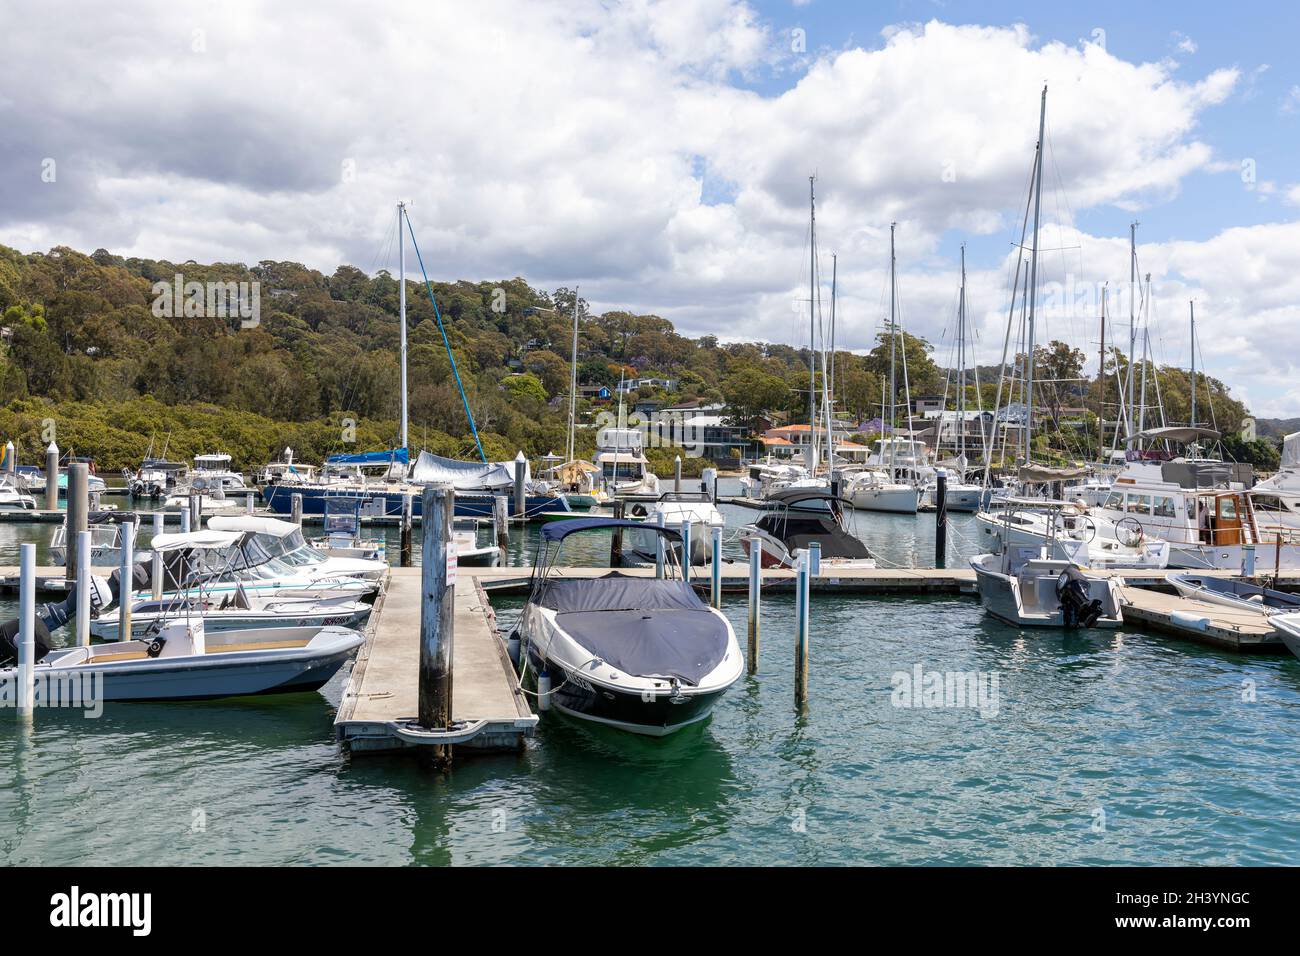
x=1106 y=747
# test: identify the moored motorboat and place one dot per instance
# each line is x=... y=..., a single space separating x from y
x=640 y=654
x=283 y=540
x=1026 y=589
x=795 y=519
x=675 y=508
x=233 y=613
x=1287 y=627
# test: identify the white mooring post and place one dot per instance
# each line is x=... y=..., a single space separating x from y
x=11 y=466
x=686 y=548
x=815 y=559
x=715 y=571
x=1247 y=560
x=185 y=518
x=437 y=594
x=755 y=600
x=126 y=589
x=295 y=508
x=76 y=517
x=83 y=589
x=801 y=630
x=196 y=512
x=157 y=558
x=248 y=503
x=659 y=547
x=26 y=629
x=677 y=474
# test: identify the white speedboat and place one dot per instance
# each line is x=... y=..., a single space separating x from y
x=1030 y=590
x=213 y=471
x=232 y=613
x=1233 y=593
x=640 y=654
x=794 y=520
x=676 y=508
x=465 y=538
x=219 y=564
x=283 y=540
x=182 y=662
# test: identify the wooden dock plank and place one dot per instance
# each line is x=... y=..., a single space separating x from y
x=383 y=689
x=1233 y=628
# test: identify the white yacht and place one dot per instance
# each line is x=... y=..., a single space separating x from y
x=620 y=456
x=677 y=508
x=1059 y=526
x=213 y=471
x=873 y=490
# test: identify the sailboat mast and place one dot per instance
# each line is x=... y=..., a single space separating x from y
x=1191 y=307
x=1101 y=376
x=1146 y=346
x=1033 y=277
x=834 y=269
x=1132 y=321
x=893 y=341
x=401 y=307
x=811 y=459
x=573 y=379
x=828 y=377
x=961 y=360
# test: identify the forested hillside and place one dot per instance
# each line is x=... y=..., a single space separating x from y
x=86 y=351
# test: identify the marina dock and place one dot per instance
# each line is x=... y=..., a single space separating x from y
x=1201 y=621
x=489 y=709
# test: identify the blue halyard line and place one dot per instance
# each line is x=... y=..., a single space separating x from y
x=437 y=314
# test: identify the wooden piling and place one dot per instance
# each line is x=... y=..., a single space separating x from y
x=52 y=477
x=78 y=504
x=521 y=498
x=437 y=591
x=616 y=539
x=941 y=520
x=405 y=543
x=801 y=631
x=501 y=525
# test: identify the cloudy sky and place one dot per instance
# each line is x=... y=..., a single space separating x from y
x=658 y=154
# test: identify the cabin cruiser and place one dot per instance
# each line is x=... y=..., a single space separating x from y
x=213 y=471
x=672 y=510
x=621 y=459
x=343 y=537
x=1200 y=505
x=154 y=478
x=872 y=490
x=283 y=540
x=106 y=539
x=1276 y=500
x=640 y=654
x=794 y=519
x=904 y=460
x=765 y=477
x=1060 y=525
x=286 y=471
x=1024 y=587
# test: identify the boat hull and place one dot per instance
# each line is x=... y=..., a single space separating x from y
x=279 y=499
x=901 y=501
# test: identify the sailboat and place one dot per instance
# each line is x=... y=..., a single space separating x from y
x=878 y=489
x=1030 y=586
x=477 y=484
x=961 y=495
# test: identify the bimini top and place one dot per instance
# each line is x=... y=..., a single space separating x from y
x=257 y=525
x=788 y=496
x=559 y=530
x=203 y=540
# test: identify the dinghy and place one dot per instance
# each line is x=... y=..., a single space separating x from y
x=1288 y=628
x=180 y=662
x=640 y=654
x=1231 y=593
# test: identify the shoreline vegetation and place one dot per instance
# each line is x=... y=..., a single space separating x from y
x=90 y=361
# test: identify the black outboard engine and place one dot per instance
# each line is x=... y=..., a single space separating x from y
x=1072 y=592
x=9 y=641
x=52 y=616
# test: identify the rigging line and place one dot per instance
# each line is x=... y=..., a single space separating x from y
x=437 y=314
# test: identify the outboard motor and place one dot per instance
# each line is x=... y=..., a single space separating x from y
x=9 y=641
x=1072 y=592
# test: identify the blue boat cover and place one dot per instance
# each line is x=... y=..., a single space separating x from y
x=371 y=457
